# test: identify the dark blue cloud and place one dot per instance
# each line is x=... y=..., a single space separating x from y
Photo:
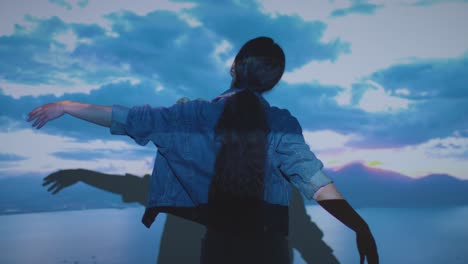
x=427 y=79
x=160 y=47
x=35 y=56
x=432 y=2
x=18 y=51
x=436 y=118
x=62 y=3
x=162 y=44
x=67 y=5
x=8 y=157
x=357 y=7
x=88 y=30
x=357 y=91
x=239 y=21
x=315 y=107
x=438 y=108
x=83 y=3
x=437 y=115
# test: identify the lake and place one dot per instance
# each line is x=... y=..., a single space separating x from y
x=116 y=236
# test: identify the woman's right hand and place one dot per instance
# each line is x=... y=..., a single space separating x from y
x=367 y=247
x=46 y=113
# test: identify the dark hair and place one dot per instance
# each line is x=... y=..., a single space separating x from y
x=236 y=190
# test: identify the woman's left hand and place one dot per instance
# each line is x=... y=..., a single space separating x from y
x=46 y=113
x=367 y=247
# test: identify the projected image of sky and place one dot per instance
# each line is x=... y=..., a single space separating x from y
x=383 y=83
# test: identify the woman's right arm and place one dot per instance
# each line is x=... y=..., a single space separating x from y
x=333 y=202
x=143 y=123
x=100 y=115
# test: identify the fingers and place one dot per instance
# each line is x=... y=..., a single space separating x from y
x=57 y=183
x=58 y=189
x=370 y=255
x=38 y=120
x=373 y=259
x=35 y=113
x=49 y=179
x=42 y=115
x=41 y=121
x=35 y=110
x=53 y=177
x=53 y=186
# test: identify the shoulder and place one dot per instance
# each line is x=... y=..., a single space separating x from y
x=196 y=109
x=283 y=120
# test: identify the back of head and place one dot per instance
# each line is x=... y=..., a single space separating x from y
x=258 y=65
x=236 y=190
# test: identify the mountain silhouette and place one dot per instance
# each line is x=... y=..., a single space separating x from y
x=362 y=186
x=371 y=187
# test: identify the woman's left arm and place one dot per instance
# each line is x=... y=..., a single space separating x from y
x=100 y=115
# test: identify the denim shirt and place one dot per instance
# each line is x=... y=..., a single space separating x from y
x=187 y=148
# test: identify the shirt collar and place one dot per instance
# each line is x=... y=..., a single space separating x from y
x=234 y=90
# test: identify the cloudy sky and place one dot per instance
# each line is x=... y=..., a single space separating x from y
x=380 y=82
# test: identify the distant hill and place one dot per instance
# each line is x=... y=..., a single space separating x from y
x=371 y=187
x=362 y=187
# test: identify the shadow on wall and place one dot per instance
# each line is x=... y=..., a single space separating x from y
x=181 y=238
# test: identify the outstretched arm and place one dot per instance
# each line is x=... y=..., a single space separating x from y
x=100 y=115
x=143 y=123
x=332 y=201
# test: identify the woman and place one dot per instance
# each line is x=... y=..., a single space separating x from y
x=228 y=163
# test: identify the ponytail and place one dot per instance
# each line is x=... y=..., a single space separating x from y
x=235 y=195
x=236 y=190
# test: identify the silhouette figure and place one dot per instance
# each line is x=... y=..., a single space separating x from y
x=181 y=238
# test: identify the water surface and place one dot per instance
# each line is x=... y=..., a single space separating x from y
x=116 y=236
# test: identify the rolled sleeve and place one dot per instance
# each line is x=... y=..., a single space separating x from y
x=299 y=164
x=142 y=123
x=118 y=120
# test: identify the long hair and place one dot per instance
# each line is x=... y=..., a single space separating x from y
x=236 y=190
